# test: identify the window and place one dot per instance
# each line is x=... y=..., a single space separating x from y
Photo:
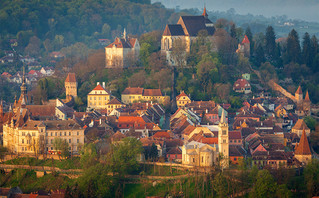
x=193 y=159
x=224 y=141
x=56 y=133
x=60 y=133
x=99 y=98
x=41 y=130
x=69 y=133
x=77 y=133
x=22 y=148
x=46 y=134
x=235 y=159
x=64 y=133
x=224 y=132
x=46 y=141
x=22 y=141
x=23 y=133
x=78 y=141
x=235 y=141
x=51 y=141
x=94 y=98
x=69 y=140
x=202 y=159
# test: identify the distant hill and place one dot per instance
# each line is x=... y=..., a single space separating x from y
x=79 y=21
x=295 y=9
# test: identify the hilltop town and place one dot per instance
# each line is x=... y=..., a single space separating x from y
x=200 y=104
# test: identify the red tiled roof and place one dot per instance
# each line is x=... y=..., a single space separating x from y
x=307 y=97
x=118 y=136
x=299 y=90
x=99 y=87
x=241 y=83
x=245 y=40
x=152 y=92
x=133 y=90
x=41 y=110
x=115 y=101
x=303 y=147
x=130 y=119
x=161 y=134
x=122 y=43
x=300 y=125
x=70 y=78
x=181 y=95
x=189 y=129
x=234 y=135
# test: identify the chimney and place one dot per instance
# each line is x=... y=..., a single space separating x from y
x=100 y=121
x=97 y=83
x=103 y=85
x=206 y=110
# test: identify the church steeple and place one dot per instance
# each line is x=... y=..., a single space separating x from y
x=223 y=140
x=124 y=34
x=23 y=86
x=205 y=12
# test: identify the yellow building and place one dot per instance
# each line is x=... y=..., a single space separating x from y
x=114 y=104
x=71 y=86
x=98 y=98
x=182 y=99
x=134 y=94
x=299 y=127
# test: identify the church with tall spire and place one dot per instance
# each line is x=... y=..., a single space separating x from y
x=31 y=129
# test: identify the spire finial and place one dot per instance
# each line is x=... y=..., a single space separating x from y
x=124 y=34
x=223 y=118
x=205 y=12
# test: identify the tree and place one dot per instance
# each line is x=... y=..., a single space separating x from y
x=89 y=156
x=260 y=56
x=249 y=35
x=310 y=122
x=123 y=156
x=312 y=177
x=293 y=47
x=153 y=152
x=268 y=72
x=62 y=147
x=106 y=29
x=270 y=44
x=314 y=53
x=178 y=53
x=145 y=52
x=233 y=31
x=265 y=185
x=220 y=185
x=306 y=50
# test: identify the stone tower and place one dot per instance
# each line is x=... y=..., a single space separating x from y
x=223 y=141
x=71 y=86
x=298 y=95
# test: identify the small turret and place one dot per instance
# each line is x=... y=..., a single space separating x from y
x=205 y=13
x=298 y=95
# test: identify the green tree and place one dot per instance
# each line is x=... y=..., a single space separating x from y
x=62 y=147
x=310 y=122
x=314 y=54
x=123 y=158
x=260 y=56
x=89 y=156
x=265 y=185
x=153 y=152
x=145 y=53
x=270 y=44
x=311 y=173
x=233 y=31
x=306 y=50
x=220 y=185
x=249 y=35
x=293 y=47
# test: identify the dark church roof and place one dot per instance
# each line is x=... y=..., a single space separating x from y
x=193 y=24
x=173 y=30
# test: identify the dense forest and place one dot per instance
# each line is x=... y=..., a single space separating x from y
x=73 y=27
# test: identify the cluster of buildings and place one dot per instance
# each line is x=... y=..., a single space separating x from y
x=199 y=133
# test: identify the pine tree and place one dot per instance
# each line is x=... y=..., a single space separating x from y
x=233 y=31
x=270 y=44
x=306 y=50
x=249 y=35
x=293 y=47
x=260 y=55
x=314 y=53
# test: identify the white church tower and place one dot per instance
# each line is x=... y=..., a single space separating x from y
x=223 y=141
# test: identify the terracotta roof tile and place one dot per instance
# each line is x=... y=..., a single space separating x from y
x=70 y=78
x=115 y=101
x=234 y=135
x=241 y=83
x=307 y=97
x=299 y=90
x=245 y=40
x=303 y=146
x=300 y=125
x=152 y=92
x=162 y=134
x=181 y=95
